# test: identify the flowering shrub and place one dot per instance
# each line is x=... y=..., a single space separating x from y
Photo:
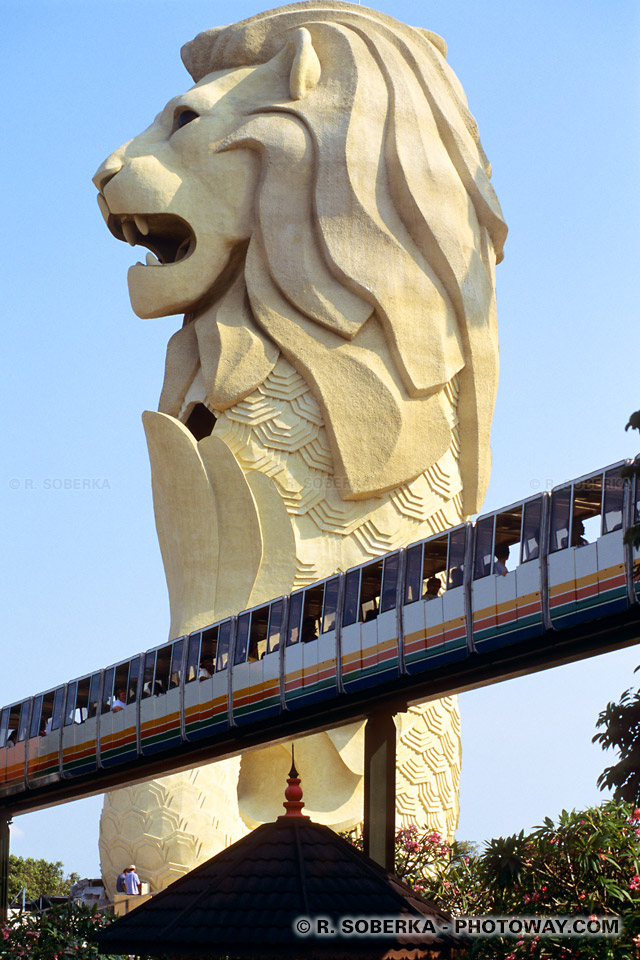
x=588 y=863
x=57 y=934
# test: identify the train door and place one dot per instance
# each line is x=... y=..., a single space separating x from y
x=433 y=612
x=118 y=720
x=79 y=727
x=369 y=636
x=14 y=727
x=586 y=553
x=43 y=763
x=310 y=665
x=160 y=713
x=612 y=586
x=256 y=670
x=506 y=587
x=206 y=693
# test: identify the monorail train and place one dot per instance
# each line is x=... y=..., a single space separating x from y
x=546 y=563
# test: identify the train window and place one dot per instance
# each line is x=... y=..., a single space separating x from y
x=390 y=582
x=531 y=530
x=23 y=723
x=370 y=589
x=587 y=510
x=132 y=685
x=121 y=684
x=224 y=644
x=275 y=626
x=70 y=704
x=36 y=727
x=258 y=635
x=483 y=562
x=94 y=692
x=560 y=514
x=42 y=717
x=176 y=664
x=434 y=567
x=506 y=549
x=58 y=700
x=4 y=726
x=351 y=593
x=455 y=575
x=613 y=500
x=330 y=605
x=242 y=638
x=312 y=613
x=413 y=575
x=107 y=689
x=193 y=658
x=147 y=676
x=12 y=727
x=295 y=614
x=163 y=670
x=208 y=653
x=81 y=711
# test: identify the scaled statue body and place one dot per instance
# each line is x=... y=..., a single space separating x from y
x=319 y=208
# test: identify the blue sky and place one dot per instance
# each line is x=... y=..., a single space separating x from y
x=554 y=88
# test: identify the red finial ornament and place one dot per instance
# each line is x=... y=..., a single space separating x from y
x=293 y=803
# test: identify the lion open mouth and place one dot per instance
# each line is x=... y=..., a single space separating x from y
x=168 y=238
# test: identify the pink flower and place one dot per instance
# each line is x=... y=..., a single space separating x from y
x=635 y=882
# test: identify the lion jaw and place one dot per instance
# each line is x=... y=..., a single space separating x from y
x=174 y=190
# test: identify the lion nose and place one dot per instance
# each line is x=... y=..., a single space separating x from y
x=107 y=171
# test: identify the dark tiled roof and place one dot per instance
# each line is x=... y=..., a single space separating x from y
x=244 y=901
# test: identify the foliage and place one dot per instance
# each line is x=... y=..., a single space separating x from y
x=58 y=933
x=38 y=876
x=586 y=863
x=621 y=729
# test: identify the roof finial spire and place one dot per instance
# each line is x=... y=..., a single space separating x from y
x=294 y=803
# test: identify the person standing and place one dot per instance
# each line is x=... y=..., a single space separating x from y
x=132 y=881
x=120 y=882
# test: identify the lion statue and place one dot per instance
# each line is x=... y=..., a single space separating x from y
x=319 y=208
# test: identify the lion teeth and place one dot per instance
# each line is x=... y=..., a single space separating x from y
x=141 y=224
x=152 y=260
x=104 y=207
x=130 y=232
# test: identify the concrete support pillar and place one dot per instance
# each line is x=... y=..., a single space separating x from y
x=4 y=869
x=380 y=789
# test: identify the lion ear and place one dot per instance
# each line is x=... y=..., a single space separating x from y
x=305 y=69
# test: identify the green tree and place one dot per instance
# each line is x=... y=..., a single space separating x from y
x=38 y=877
x=620 y=723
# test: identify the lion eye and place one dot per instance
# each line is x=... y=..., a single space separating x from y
x=186 y=117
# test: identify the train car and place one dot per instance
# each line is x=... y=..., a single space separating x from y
x=545 y=563
x=161 y=698
x=433 y=601
x=14 y=727
x=587 y=558
x=207 y=678
x=310 y=665
x=43 y=749
x=256 y=691
x=79 y=750
x=369 y=637
x=507 y=575
x=119 y=711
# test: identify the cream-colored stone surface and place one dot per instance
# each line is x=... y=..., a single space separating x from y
x=320 y=209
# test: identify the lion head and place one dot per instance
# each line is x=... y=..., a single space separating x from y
x=321 y=193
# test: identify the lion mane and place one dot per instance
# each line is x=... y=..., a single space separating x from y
x=388 y=292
